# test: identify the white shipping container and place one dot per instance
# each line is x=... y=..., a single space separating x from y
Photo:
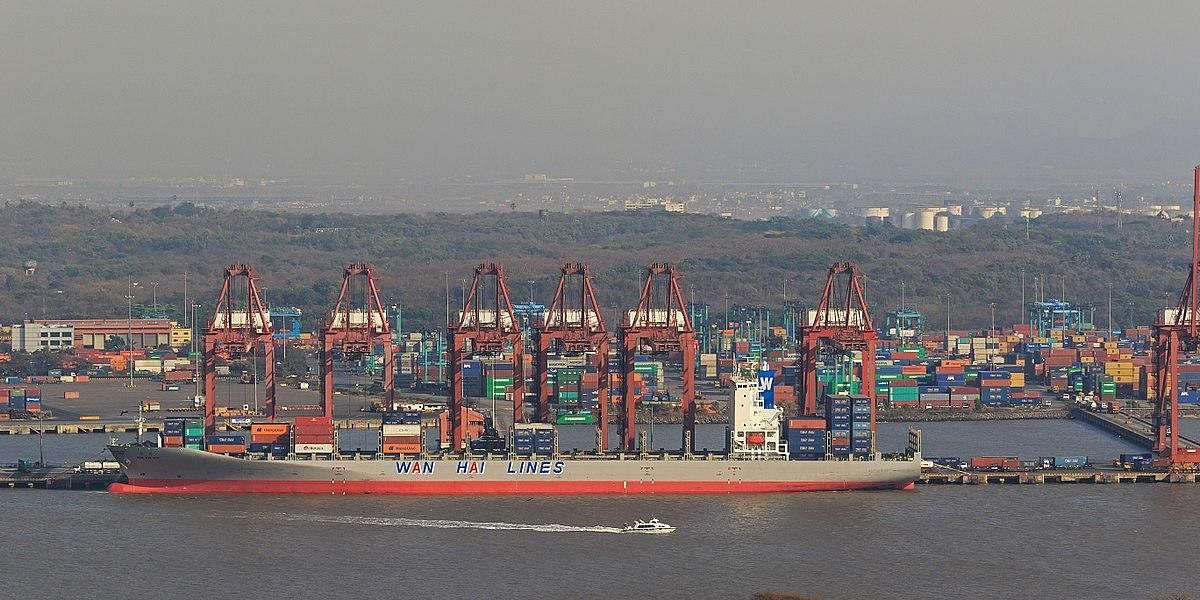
x=67 y=379
x=304 y=385
x=409 y=429
x=314 y=448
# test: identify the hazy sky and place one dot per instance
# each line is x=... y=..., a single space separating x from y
x=341 y=91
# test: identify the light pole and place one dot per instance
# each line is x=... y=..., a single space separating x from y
x=1021 y=310
x=1110 y=324
x=948 y=348
x=154 y=295
x=129 y=333
x=992 y=331
x=195 y=379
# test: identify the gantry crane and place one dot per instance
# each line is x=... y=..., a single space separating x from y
x=357 y=323
x=573 y=326
x=839 y=326
x=1176 y=332
x=485 y=326
x=238 y=328
x=659 y=325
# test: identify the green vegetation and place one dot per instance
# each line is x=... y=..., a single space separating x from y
x=85 y=255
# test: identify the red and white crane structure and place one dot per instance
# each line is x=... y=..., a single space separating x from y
x=356 y=325
x=240 y=326
x=573 y=326
x=659 y=325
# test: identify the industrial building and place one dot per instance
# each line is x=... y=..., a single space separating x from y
x=94 y=333
x=36 y=335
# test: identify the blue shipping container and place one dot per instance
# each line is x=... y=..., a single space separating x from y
x=226 y=439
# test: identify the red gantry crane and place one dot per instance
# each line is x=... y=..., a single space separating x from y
x=357 y=324
x=573 y=326
x=659 y=325
x=239 y=327
x=1176 y=332
x=486 y=325
x=839 y=326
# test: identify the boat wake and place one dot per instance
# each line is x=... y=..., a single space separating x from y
x=447 y=524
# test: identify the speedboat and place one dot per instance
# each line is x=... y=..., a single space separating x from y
x=651 y=526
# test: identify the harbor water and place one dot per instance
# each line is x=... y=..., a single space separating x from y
x=1047 y=541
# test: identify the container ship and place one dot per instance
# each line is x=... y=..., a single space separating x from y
x=765 y=452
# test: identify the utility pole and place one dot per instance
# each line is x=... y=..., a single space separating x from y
x=992 y=331
x=447 y=274
x=1021 y=311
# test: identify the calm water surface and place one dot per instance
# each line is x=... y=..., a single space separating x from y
x=1050 y=541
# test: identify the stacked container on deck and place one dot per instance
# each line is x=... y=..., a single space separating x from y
x=533 y=438
x=226 y=443
x=173 y=432
x=314 y=435
x=806 y=438
x=270 y=438
x=849 y=420
x=400 y=433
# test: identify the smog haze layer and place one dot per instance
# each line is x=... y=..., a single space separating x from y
x=378 y=93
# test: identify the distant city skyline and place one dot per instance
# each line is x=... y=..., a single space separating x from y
x=931 y=92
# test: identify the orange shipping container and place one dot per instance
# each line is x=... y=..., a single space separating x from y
x=227 y=448
x=71 y=395
x=401 y=448
x=806 y=423
x=268 y=429
x=83 y=378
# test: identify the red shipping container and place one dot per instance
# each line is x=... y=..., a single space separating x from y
x=314 y=439
x=903 y=383
x=401 y=448
x=905 y=355
x=839 y=441
x=313 y=431
x=327 y=421
x=172 y=440
x=995 y=382
x=227 y=448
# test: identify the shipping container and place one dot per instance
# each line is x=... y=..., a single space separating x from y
x=995 y=463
